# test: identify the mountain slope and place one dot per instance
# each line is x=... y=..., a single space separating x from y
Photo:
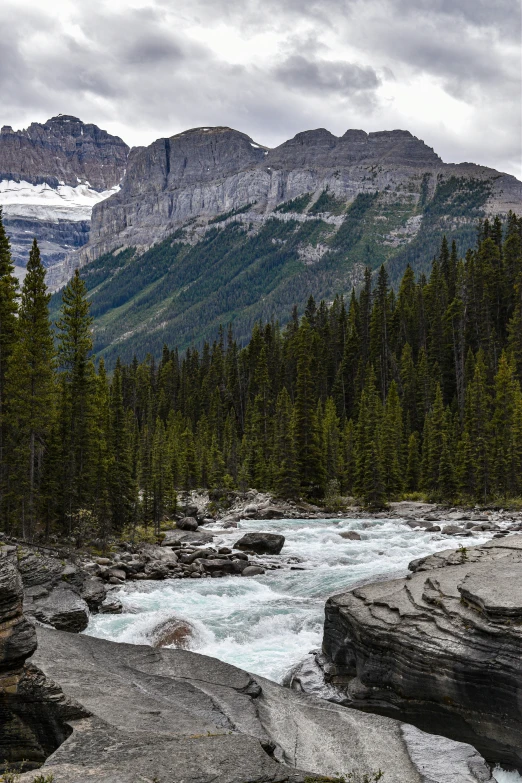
x=216 y=228
x=51 y=175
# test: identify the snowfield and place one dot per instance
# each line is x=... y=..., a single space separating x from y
x=42 y=202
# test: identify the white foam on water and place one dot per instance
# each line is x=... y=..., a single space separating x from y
x=266 y=624
x=501 y=776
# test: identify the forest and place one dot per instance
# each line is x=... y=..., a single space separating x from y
x=413 y=392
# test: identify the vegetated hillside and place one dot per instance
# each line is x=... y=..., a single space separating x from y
x=242 y=267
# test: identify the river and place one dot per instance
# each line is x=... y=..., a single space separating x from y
x=268 y=623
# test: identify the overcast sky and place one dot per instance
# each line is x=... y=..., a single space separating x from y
x=447 y=70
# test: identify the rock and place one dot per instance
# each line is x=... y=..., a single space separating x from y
x=433 y=529
x=173 y=633
x=350 y=535
x=93 y=592
x=173 y=715
x=261 y=543
x=252 y=570
x=217 y=564
x=17 y=634
x=187 y=523
x=111 y=605
x=416 y=523
x=177 y=537
x=103 y=561
x=271 y=512
x=117 y=573
x=441 y=649
x=455 y=530
x=63 y=609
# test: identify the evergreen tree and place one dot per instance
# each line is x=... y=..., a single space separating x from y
x=78 y=400
x=8 y=310
x=30 y=391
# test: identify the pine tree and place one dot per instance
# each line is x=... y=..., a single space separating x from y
x=307 y=434
x=286 y=477
x=8 y=310
x=121 y=481
x=78 y=401
x=30 y=391
x=390 y=443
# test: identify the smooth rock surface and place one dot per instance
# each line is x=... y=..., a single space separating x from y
x=441 y=649
x=64 y=610
x=173 y=716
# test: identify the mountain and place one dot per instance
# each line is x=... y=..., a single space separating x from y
x=51 y=175
x=210 y=227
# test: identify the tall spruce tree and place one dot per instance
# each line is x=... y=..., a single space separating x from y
x=8 y=310
x=78 y=402
x=30 y=392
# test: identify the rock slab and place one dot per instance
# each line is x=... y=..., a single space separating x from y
x=441 y=649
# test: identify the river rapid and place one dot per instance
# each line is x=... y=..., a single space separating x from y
x=266 y=624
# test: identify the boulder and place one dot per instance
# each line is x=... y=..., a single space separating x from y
x=17 y=634
x=172 y=715
x=271 y=512
x=261 y=543
x=350 y=535
x=174 y=632
x=455 y=530
x=441 y=649
x=111 y=605
x=187 y=523
x=63 y=609
x=252 y=570
x=93 y=592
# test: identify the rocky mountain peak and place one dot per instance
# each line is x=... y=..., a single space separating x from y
x=62 y=151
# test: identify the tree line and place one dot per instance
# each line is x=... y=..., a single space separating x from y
x=387 y=393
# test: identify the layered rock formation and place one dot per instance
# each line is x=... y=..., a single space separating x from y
x=171 y=715
x=209 y=171
x=33 y=710
x=441 y=649
x=51 y=175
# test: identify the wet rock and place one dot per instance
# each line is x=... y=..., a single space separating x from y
x=350 y=535
x=111 y=605
x=93 y=592
x=63 y=609
x=261 y=543
x=252 y=570
x=217 y=564
x=174 y=632
x=17 y=634
x=433 y=529
x=455 y=530
x=187 y=523
x=441 y=649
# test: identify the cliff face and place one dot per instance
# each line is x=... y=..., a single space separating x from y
x=62 y=151
x=441 y=649
x=208 y=171
x=51 y=175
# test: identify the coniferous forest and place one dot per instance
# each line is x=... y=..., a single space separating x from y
x=384 y=394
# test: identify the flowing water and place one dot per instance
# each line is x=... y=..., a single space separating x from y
x=266 y=624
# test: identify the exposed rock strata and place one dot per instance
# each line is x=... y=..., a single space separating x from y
x=206 y=172
x=33 y=710
x=172 y=716
x=63 y=150
x=441 y=649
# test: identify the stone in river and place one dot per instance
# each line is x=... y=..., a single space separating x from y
x=350 y=535
x=252 y=570
x=187 y=523
x=173 y=633
x=261 y=543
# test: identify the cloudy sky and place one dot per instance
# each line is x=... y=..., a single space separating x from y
x=447 y=70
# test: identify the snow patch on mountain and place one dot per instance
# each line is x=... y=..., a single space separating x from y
x=42 y=202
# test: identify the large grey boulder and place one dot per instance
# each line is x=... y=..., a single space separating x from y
x=441 y=649
x=173 y=716
x=261 y=543
x=63 y=609
x=187 y=523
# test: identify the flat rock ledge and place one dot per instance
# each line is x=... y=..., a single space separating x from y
x=173 y=716
x=441 y=649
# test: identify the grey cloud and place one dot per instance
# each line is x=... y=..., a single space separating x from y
x=341 y=78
